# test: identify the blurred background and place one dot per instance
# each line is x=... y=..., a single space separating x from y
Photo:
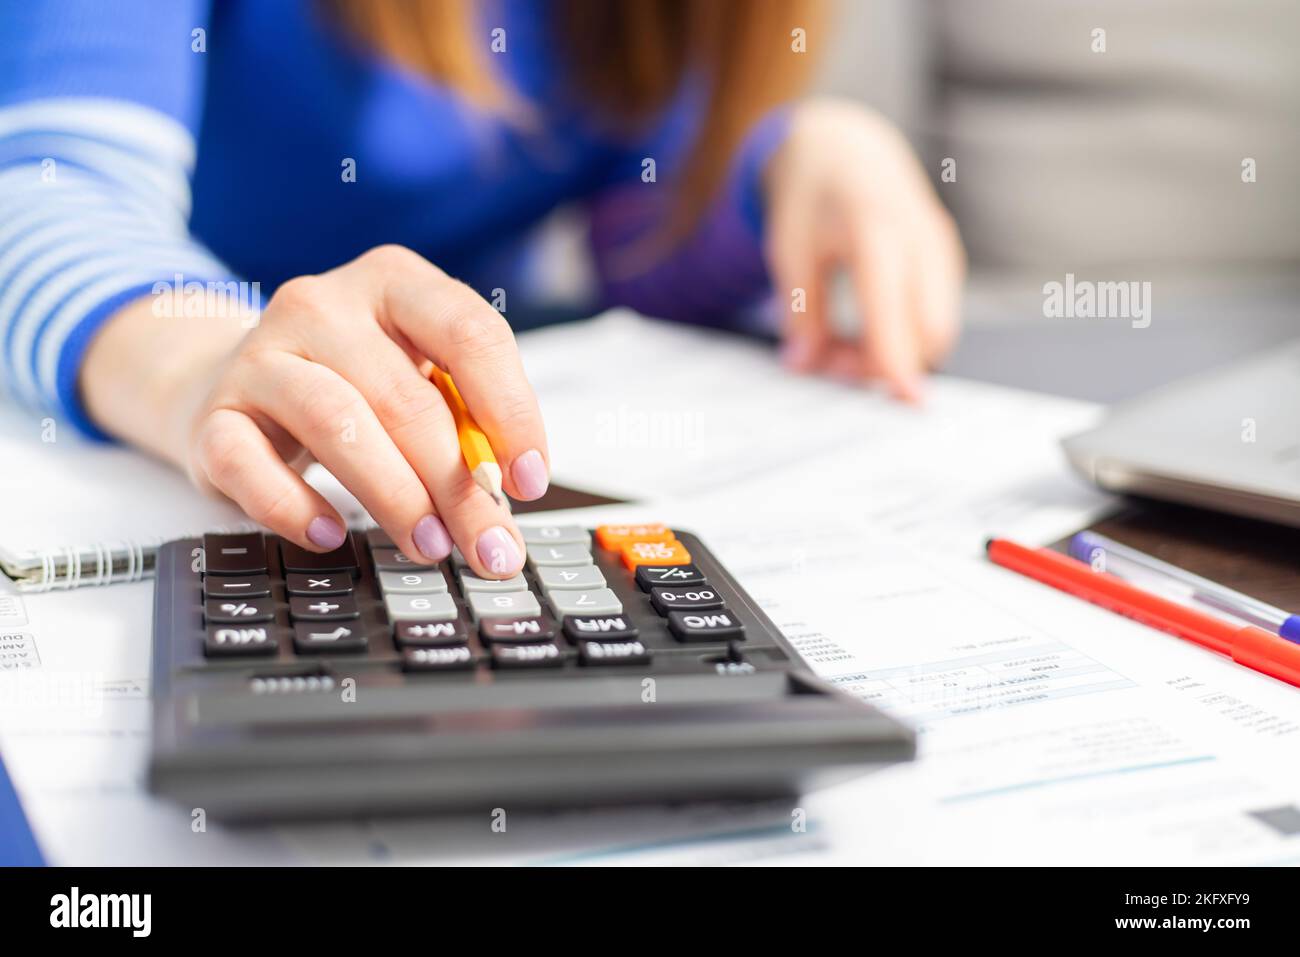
x=1123 y=165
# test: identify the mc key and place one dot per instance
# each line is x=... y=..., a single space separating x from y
x=705 y=626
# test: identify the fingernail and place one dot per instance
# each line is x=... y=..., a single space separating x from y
x=498 y=552
x=911 y=389
x=431 y=538
x=325 y=533
x=796 y=353
x=529 y=473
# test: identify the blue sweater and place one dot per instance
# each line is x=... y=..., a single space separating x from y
x=140 y=140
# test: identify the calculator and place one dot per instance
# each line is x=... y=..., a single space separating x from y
x=623 y=665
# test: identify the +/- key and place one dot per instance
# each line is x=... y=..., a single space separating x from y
x=682 y=576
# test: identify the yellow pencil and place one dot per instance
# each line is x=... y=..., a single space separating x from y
x=479 y=458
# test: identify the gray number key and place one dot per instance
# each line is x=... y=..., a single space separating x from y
x=413 y=582
x=570 y=578
x=544 y=555
x=470 y=582
x=597 y=601
x=510 y=604
x=555 y=535
x=391 y=560
x=420 y=607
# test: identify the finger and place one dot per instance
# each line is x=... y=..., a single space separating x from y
x=937 y=270
x=328 y=416
x=878 y=269
x=238 y=460
x=412 y=411
x=799 y=286
x=451 y=324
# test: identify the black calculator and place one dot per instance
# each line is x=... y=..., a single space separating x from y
x=623 y=665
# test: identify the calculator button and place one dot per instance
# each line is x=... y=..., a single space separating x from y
x=413 y=582
x=511 y=604
x=327 y=638
x=544 y=655
x=470 y=582
x=636 y=554
x=693 y=626
x=543 y=555
x=236 y=610
x=378 y=538
x=613 y=653
x=458 y=558
x=392 y=560
x=597 y=601
x=570 y=578
x=652 y=576
x=420 y=607
x=322 y=608
x=236 y=640
x=702 y=598
x=451 y=658
x=245 y=586
x=318 y=583
x=613 y=627
x=243 y=554
x=429 y=634
x=298 y=559
x=614 y=537
x=555 y=535
x=535 y=628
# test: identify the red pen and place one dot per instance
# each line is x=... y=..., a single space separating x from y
x=1253 y=647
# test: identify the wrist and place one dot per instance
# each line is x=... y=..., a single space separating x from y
x=144 y=377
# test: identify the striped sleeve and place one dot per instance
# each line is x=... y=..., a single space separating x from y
x=94 y=190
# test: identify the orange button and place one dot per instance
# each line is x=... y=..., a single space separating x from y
x=655 y=553
x=615 y=537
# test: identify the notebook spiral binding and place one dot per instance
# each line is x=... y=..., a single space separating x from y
x=103 y=563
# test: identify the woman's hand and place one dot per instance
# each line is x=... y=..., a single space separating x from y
x=845 y=191
x=336 y=372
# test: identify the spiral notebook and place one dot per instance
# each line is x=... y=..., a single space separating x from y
x=74 y=512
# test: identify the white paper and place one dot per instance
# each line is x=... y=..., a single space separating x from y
x=1050 y=731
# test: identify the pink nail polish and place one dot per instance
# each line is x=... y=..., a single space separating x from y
x=530 y=475
x=498 y=552
x=431 y=538
x=325 y=533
